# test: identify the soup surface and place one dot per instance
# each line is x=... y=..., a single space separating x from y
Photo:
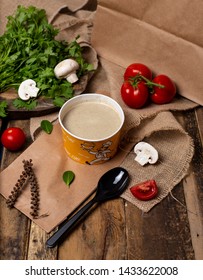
x=92 y=120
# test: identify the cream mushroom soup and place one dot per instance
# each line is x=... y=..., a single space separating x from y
x=92 y=120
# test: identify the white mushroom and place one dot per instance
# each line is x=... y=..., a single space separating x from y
x=28 y=89
x=66 y=69
x=146 y=153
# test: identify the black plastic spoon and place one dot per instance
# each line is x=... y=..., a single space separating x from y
x=111 y=185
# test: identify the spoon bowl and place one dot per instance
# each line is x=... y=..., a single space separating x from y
x=111 y=185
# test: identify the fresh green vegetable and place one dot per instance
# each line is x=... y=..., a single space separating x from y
x=47 y=126
x=68 y=177
x=28 y=50
x=29 y=105
x=3 y=107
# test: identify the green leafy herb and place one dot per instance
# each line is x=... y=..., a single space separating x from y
x=68 y=177
x=58 y=101
x=47 y=126
x=3 y=107
x=28 y=50
x=29 y=105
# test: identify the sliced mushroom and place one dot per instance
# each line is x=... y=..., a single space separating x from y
x=146 y=153
x=28 y=89
x=66 y=69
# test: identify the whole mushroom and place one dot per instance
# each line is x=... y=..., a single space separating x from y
x=146 y=153
x=28 y=89
x=66 y=69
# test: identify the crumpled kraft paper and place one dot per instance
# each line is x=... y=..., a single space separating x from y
x=53 y=8
x=167 y=36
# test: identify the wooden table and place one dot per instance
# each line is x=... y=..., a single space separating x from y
x=117 y=229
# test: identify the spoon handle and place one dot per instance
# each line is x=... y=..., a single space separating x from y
x=67 y=226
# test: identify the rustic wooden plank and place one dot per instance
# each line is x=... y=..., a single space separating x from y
x=194 y=215
x=101 y=235
x=162 y=233
x=193 y=184
x=37 y=249
x=199 y=118
x=14 y=230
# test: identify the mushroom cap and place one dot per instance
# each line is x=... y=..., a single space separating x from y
x=65 y=67
x=27 y=89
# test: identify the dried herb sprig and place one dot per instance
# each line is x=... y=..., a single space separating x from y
x=27 y=175
x=16 y=190
x=34 y=188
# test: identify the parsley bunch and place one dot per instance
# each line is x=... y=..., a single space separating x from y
x=28 y=50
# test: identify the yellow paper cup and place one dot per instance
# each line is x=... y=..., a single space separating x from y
x=87 y=150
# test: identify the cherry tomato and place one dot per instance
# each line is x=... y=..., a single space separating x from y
x=13 y=138
x=137 y=69
x=166 y=94
x=145 y=191
x=134 y=96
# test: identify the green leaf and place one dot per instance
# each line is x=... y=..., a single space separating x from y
x=3 y=107
x=47 y=126
x=89 y=67
x=29 y=105
x=58 y=101
x=68 y=177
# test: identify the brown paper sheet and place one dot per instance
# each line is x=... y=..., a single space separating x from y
x=52 y=7
x=49 y=162
x=167 y=37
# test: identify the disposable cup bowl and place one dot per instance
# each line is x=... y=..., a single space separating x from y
x=91 y=151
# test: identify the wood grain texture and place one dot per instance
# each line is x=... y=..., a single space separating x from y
x=193 y=183
x=14 y=230
x=162 y=234
x=101 y=235
x=37 y=249
x=172 y=230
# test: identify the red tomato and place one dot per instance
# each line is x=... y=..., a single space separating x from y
x=145 y=191
x=166 y=94
x=13 y=138
x=137 y=69
x=134 y=96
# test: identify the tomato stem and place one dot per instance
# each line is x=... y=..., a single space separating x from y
x=135 y=80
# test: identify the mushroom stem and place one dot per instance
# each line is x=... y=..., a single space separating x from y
x=145 y=153
x=72 y=78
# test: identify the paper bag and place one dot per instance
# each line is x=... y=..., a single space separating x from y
x=167 y=36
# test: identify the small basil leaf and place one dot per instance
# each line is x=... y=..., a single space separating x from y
x=46 y=126
x=68 y=177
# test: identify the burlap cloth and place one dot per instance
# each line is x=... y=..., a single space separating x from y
x=154 y=124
